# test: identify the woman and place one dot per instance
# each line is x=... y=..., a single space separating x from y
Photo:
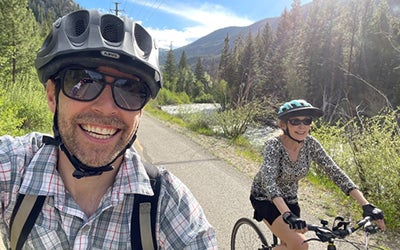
x=287 y=159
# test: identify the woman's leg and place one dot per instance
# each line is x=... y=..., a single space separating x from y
x=289 y=239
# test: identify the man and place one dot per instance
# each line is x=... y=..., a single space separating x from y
x=99 y=71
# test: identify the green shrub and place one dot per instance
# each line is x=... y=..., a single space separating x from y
x=204 y=98
x=24 y=109
x=199 y=122
x=368 y=151
x=234 y=122
x=167 y=97
x=33 y=109
x=9 y=121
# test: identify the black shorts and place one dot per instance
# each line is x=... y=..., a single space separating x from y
x=267 y=210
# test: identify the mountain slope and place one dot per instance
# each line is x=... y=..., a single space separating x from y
x=209 y=47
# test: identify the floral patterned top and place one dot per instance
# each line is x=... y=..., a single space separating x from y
x=279 y=176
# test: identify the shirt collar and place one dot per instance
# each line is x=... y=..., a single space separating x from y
x=41 y=176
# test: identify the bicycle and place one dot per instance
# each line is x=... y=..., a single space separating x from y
x=247 y=235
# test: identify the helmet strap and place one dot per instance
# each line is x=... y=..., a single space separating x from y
x=286 y=132
x=81 y=169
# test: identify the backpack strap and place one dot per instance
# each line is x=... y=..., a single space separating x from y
x=143 y=222
x=23 y=217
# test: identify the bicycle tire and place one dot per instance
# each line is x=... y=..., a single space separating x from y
x=247 y=235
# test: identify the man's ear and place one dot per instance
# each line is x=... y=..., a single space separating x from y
x=51 y=95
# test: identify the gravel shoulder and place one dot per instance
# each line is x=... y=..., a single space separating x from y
x=316 y=201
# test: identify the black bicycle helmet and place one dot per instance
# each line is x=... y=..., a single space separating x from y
x=298 y=108
x=92 y=39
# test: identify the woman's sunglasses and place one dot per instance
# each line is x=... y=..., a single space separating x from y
x=297 y=122
x=86 y=85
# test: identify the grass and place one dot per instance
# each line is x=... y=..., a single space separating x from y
x=156 y=112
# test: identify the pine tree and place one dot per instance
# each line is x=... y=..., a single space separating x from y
x=202 y=81
x=224 y=60
x=182 y=67
x=379 y=59
x=248 y=70
x=273 y=75
x=18 y=39
x=263 y=41
x=295 y=62
x=185 y=75
x=170 y=73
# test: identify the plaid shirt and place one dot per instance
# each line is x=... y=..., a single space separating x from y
x=181 y=223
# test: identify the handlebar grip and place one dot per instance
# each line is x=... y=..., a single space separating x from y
x=360 y=224
x=364 y=221
x=312 y=227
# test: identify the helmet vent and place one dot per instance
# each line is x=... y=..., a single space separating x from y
x=143 y=39
x=112 y=29
x=77 y=23
x=80 y=27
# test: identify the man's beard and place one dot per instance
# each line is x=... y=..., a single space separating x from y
x=94 y=155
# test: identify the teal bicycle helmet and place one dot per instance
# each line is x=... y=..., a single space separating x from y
x=91 y=39
x=298 y=108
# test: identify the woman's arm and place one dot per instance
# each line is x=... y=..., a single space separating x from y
x=359 y=197
x=281 y=205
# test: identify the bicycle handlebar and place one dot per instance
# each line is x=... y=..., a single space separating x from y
x=341 y=230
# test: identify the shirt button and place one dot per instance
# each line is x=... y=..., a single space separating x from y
x=85 y=229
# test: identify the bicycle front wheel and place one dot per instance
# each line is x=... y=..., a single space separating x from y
x=247 y=235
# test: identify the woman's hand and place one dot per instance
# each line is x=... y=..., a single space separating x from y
x=294 y=222
x=375 y=213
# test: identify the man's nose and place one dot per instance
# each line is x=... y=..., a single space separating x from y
x=105 y=101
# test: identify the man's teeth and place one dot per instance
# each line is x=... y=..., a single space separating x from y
x=100 y=133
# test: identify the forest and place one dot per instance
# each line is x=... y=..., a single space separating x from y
x=342 y=56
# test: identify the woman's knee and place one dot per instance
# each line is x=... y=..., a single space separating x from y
x=297 y=243
x=292 y=239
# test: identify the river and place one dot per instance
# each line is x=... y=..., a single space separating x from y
x=256 y=136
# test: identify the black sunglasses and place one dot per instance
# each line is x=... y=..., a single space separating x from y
x=297 y=122
x=87 y=84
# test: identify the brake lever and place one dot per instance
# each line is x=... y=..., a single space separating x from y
x=372 y=229
x=325 y=234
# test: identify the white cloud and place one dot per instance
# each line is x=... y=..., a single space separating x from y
x=207 y=18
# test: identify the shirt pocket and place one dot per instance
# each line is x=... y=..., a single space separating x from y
x=46 y=234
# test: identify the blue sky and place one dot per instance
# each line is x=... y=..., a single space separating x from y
x=181 y=22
